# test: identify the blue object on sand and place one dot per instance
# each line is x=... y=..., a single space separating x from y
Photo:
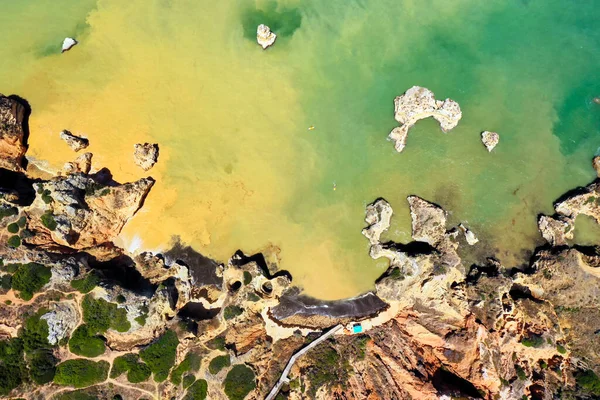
x=357 y=328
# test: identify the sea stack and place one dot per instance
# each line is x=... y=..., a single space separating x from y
x=596 y=165
x=490 y=139
x=68 y=43
x=75 y=142
x=264 y=36
x=145 y=155
x=418 y=103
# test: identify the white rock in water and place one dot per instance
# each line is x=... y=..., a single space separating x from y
x=68 y=43
x=469 y=235
x=418 y=103
x=490 y=139
x=264 y=36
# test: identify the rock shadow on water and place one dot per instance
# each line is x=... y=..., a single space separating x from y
x=282 y=21
x=202 y=269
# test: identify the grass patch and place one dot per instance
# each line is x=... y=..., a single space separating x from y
x=191 y=362
x=589 y=381
x=160 y=355
x=101 y=315
x=327 y=368
x=87 y=283
x=197 y=391
x=22 y=222
x=532 y=341
x=188 y=380
x=46 y=198
x=12 y=228
x=247 y=277
x=217 y=343
x=561 y=349
x=122 y=364
x=520 y=372
x=239 y=382
x=30 y=278
x=231 y=312
x=86 y=343
x=218 y=363
x=253 y=297
x=81 y=373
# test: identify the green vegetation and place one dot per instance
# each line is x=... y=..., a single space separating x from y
x=327 y=367
x=75 y=395
x=138 y=372
x=30 y=278
x=34 y=332
x=561 y=349
x=197 y=391
x=589 y=381
x=141 y=319
x=217 y=343
x=232 y=312
x=13 y=371
x=14 y=241
x=239 y=382
x=46 y=198
x=520 y=372
x=48 y=220
x=191 y=362
x=22 y=222
x=86 y=343
x=42 y=366
x=101 y=315
x=87 y=283
x=247 y=277
x=160 y=355
x=12 y=228
x=360 y=345
x=81 y=372
x=6 y=282
x=253 y=297
x=121 y=299
x=8 y=212
x=188 y=380
x=532 y=341
x=122 y=364
x=218 y=363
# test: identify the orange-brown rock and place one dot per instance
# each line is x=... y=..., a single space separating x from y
x=13 y=116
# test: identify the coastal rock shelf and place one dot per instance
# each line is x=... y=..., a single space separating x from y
x=418 y=103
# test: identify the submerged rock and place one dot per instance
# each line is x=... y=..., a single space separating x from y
x=264 y=36
x=145 y=155
x=75 y=142
x=68 y=44
x=469 y=235
x=418 y=103
x=82 y=164
x=12 y=134
x=490 y=139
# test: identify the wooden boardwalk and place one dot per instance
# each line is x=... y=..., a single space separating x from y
x=284 y=375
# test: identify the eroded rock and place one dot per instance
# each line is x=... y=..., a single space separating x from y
x=378 y=217
x=490 y=139
x=12 y=133
x=62 y=320
x=82 y=164
x=145 y=155
x=75 y=142
x=264 y=36
x=469 y=235
x=556 y=231
x=418 y=103
x=68 y=44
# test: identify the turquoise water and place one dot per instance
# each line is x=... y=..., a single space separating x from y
x=239 y=167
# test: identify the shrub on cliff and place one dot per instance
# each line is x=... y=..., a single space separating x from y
x=80 y=372
x=191 y=362
x=218 y=363
x=197 y=391
x=232 y=312
x=48 y=221
x=13 y=370
x=34 y=332
x=122 y=364
x=85 y=343
x=87 y=283
x=30 y=278
x=14 y=241
x=160 y=355
x=589 y=381
x=239 y=382
x=101 y=315
x=42 y=366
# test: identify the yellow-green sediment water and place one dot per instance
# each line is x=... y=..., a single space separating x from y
x=238 y=166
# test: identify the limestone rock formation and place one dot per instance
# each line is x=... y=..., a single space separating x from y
x=82 y=164
x=418 y=103
x=490 y=139
x=596 y=164
x=62 y=320
x=584 y=201
x=469 y=235
x=428 y=221
x=145 y=155
x=378 y=217
x=68 y=44
x=79 y=211
x=75 y=142
x=12 y=133
x=556 y=231
x=264 y=36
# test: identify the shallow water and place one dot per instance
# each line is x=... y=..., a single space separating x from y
x=238 y=166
